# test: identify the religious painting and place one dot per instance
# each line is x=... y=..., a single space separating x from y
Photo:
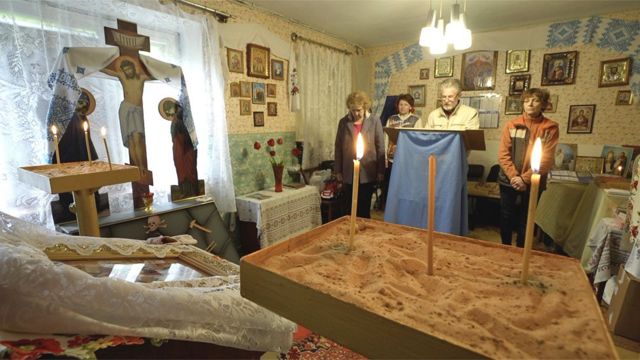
x=614 y=72
x=624 y=97
x=591 y=164
x=245 y=89
x=258 y=93
x=245 y=107
x=565 y=157
x=581 y=119
x=519 y=83
x=479 y=70
x=513 y=105
x=234 y=89
x=272 y=109
x=552 y=105
x=559 y=68
x=258 y=118
x=443 y=67
x=419 y=94
x=424 y=74
x=277 y=69
x=271 y=90
x=517 y=61
x=617 y=159
x=234 y=61
x=257 y=61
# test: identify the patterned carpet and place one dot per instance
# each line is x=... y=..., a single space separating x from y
x=308 y=345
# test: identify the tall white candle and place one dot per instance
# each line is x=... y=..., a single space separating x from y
x=536 y=156
x=103 y=132
x=54 y=130
x=356 y=183
x=85 y=125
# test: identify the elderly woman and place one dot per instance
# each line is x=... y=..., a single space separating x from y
x=514 y=156
x=359 y=121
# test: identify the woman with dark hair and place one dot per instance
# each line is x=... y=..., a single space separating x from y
x=404 y=118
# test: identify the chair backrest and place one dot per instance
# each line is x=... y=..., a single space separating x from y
x=476 y=172
x=493 y=173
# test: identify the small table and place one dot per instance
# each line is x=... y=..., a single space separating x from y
x=278 y=215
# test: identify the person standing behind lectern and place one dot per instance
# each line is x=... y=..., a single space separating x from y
x=514 y=157
x=452 y=115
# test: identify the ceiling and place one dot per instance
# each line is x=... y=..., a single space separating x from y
x=371 y=23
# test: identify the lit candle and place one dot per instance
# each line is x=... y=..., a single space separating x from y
x=103 y=131
x=536 y=156
x=432 y=210
x=354 y=193
x=54 y=130
x=85 y=125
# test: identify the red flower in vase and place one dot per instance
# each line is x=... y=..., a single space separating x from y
x=271 y=150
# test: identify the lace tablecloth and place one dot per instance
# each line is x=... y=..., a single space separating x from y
x=279 y=216
x=607 y=253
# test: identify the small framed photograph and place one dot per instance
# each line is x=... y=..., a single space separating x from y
x=257 y=61
x=245 y=107
x=519 y=83
x=443 y=67
x=614 y=72
x=424 y=74
x=617 y=159
x=479 y=70
x=513 y=105
x=277 y=69
x=552 y=106
x=257 y=94
x=234 y=89
x=581 y=119
x=245 y=89
x=272 y=109
x=258 y=118
x=234 y=61
x=565 y=157
x=418 y=92
x=624 y=97
x=591 y=164
x=517 y=61
x=271 y=90
x=559 y=68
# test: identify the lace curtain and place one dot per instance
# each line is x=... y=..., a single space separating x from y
x=32 y=35
x=325 y=82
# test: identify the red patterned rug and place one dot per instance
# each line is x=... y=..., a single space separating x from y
x=309 y=345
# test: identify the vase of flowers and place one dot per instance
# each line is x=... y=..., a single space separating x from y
x=277 y=163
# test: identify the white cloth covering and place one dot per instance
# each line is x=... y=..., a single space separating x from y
x=42 y=296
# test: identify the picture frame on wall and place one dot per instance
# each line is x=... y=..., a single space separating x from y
x=258 y=93
x=519 y=83
x=258 y=61
x=424 y=74
x=234 y=89
x=234 y=61
x=624 y=97
x=581 y=119
x=245 y=107
x=614 y=72
x=479 y=70
x=552 y=105
x=271 y=90
x=513 y=105
x=517 y=61
x=443 y=67
x=419 y=95
x=272 y=109
x=245 y=89
x=617 y=159
x=559 y=68
x=591 y=164
x=277 y=69
x=258 y=118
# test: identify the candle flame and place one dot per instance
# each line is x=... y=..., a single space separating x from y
x=536 y=156
x=359 y=147
x=103 y=131
x=54 y=129
x=85 y=125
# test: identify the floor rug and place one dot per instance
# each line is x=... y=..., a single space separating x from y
x=309 y=345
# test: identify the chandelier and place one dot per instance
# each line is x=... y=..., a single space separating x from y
x=437 y=37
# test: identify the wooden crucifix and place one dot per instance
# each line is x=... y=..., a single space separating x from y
x=132 y=74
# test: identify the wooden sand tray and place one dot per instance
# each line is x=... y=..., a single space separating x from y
x=379 y=301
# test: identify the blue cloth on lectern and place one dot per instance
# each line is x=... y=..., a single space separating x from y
x=407 y=199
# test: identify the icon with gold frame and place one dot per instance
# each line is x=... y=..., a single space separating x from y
x=614 y=72
x=517 y=61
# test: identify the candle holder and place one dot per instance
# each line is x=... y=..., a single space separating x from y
x=147 y=200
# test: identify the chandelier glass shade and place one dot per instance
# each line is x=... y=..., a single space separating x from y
x=437 y=37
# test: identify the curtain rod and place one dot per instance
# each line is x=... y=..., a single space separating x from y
x=296 y=37
x=219 y=15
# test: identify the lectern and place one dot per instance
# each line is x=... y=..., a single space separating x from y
x=407 y=198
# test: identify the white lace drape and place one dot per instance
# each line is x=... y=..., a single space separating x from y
x=324 y=77
x=32 y=35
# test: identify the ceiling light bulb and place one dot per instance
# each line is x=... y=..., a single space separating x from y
x=464 y=41
x=429 y=32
